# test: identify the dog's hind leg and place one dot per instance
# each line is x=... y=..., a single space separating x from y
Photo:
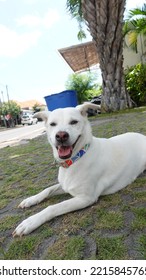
x=50 y=212
x=35 y=199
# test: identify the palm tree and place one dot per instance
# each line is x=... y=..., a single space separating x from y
x=105 y=23
x=135 y=26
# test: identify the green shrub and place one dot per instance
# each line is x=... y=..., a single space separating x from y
x=85 y=85
x=135 y=78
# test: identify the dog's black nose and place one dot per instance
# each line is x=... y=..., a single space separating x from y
x=62 y=136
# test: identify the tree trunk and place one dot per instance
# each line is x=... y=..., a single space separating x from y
x=105 y=23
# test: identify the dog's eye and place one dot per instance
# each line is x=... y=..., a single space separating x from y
x=53 y=124
x=73 y=122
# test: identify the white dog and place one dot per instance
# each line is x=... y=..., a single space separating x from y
x=89 y=166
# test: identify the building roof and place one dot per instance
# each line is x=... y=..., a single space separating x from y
x=29 y=103
x=80 y=57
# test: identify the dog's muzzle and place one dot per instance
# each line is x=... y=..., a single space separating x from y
x=63 y=146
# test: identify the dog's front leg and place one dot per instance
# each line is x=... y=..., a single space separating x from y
x=35 y=199
x=50 y=212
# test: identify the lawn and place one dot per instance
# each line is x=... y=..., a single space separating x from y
x=113 y=228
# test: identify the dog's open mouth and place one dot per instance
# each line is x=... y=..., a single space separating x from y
x=65 y=152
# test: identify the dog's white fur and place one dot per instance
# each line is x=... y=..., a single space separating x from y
x=108 y=165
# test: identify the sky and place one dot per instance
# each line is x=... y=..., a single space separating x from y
x=31 y=32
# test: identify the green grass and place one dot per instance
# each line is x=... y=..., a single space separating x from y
x=140 y=196
x=69 y=248
x=139 y=222
x=142 y=247
x=22 y=249
x=112 y=248
x=109 y=219
x=79 y=220
x=97 y=232
x=8 y=222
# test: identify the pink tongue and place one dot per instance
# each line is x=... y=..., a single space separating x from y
x=64 y=151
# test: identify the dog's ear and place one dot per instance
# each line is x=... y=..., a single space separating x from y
x=87 y=105
x=44 y=115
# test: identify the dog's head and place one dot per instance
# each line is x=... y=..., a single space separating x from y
x=68 y=129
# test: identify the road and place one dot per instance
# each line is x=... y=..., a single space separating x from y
x=15 y=136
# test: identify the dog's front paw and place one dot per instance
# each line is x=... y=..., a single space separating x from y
x=28 y=202
x=26 y=226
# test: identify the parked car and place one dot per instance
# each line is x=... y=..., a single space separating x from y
x=96 y=100
x=28 y=119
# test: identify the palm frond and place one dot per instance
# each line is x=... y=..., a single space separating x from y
x=134 y=26
x=128 y=27
x=74 y=7
x=132 y=40
x=81 y=35
x=141 y=26
x=138 y=12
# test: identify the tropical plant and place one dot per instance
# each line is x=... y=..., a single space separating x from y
x=74 y=7
x=105 y=23
x=36 y=107
x=135 y=26
x=135 y=78
x=11 y=108
x=85 y=86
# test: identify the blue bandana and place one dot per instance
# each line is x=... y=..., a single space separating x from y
x=67 y=163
